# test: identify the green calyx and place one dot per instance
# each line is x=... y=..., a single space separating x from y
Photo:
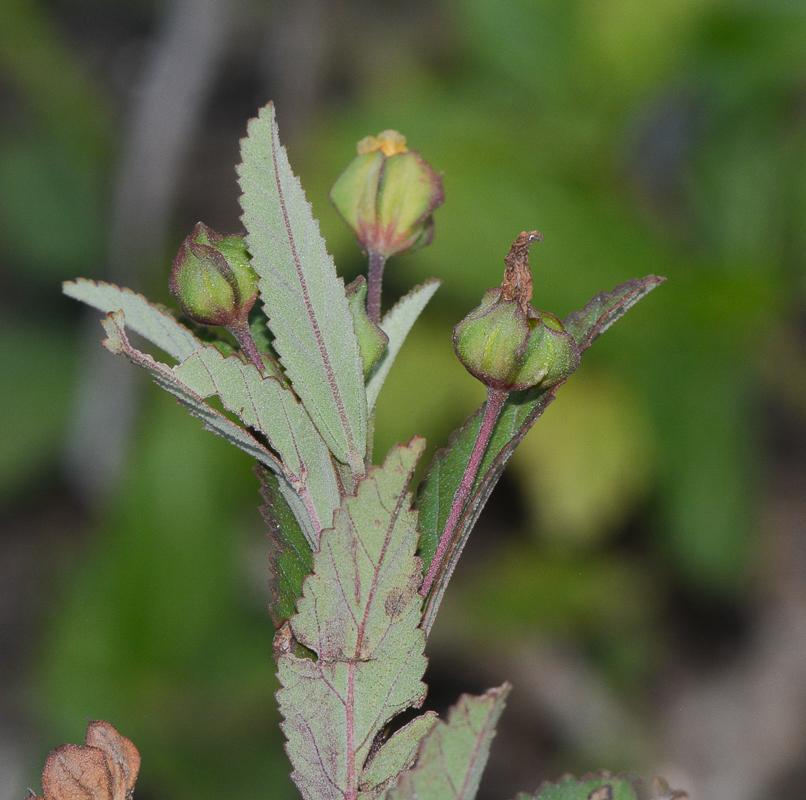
x=387 y=196
x=507 y=344
x=212 y=280
x=372 y=341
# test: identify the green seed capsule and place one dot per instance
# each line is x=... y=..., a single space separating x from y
x=212 y=280
x=507 y=344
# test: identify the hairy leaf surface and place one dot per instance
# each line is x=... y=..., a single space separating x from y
x=117 y=342
x=453 y=754
x=147 y=319
x=396 y=325
x=397 y=754
x=291 y=558
x=302 y=295
x=359 y=614
x=606 y=307
x=263 y=403
x=521 y=410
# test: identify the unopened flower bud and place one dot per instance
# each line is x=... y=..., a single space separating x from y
x=387 y=195
x=372 y=341
x=507 y=344
x=212 y=280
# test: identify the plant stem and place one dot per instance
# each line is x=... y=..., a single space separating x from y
x=247 y=342
x=377 y=262
x=495 y=401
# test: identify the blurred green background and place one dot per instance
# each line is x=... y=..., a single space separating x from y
x=631 y=541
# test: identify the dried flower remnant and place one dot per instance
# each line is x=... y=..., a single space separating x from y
x=104 y=768
x=506 y=343
x=509 y=346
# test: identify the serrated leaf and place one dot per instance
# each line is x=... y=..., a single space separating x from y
x=453 y=755
x=359 y=613
x=604 y=786
x=302 y=295
x=395 y=755
x=117 y=342
x=437 y=490
x=291 y=557
x=606 y=307
x=521 y=410
x=263 y=403
x=147 y=319
x=396 y=325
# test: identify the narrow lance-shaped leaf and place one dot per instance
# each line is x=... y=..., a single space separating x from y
x=606 y=307
x=359 y=614
x=453 y=754
x=396 y=325
x=302 y=295
x=117 y=342
x=147 y=319
x=520 y=412
x=265 y=404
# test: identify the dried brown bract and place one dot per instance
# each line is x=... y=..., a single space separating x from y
x=104 y=768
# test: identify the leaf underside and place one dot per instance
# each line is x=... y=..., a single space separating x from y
x=606 y=307
x=273 y=409
x=520 y=412
x=396 y=324
x=359 y=613
x=117 y=342
x=147 y=319
x=604 y=786
x=453 y=755
x=396 y=755
x=302 y=295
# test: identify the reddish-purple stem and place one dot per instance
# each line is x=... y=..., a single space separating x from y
x=245 y=339
x=495 y=401
x=377 y=262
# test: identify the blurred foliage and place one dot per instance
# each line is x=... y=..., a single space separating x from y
x=665 y=138
x=157 y=628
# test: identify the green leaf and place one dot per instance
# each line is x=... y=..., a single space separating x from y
x=604 y=786
x=396 y=755
x=302 y=295
x=118 y=343
x=453 y=755
x=263 y=403
x=519 y=413
x=359 y=614
x=291 y=558
x=147 y=319
x=606 y=307
x=396 y=325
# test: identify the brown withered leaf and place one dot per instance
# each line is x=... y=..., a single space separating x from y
x=77 y=773
x=104 y=768
x=122 y=755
